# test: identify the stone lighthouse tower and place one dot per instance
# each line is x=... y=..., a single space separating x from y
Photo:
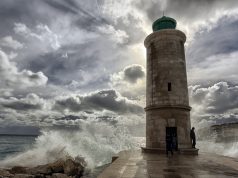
x=167 y=105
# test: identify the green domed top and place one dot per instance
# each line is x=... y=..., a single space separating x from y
x=164 y=23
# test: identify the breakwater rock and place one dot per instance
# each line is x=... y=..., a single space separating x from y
x=62 y=168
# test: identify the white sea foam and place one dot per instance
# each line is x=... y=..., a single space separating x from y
x=226 y=149
x=96 y=142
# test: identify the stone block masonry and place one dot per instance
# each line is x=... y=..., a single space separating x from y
x=167 y=103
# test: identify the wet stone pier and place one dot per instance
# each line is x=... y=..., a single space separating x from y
x=135 y=164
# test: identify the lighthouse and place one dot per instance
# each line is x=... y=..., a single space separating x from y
x=167 y=103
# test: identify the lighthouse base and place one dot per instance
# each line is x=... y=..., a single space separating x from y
x=184 y=151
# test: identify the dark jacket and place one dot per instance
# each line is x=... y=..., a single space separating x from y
x=192 y=134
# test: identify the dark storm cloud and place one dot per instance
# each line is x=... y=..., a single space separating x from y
x=212 y=55
x=227 y=118
x=25 y=11
x=102 y=100
x=64 y=6
x=30 y=102
x=213 y=104
x=129 y=82
x=216 y=99
x=12 y=77
x=187 y=10
x=89 y=13
x=133 y=73
x=107 y=119
x=87 y=67
x=71 y=117
x=62 y=70
x=222 y=39
x=133 y=28
x=21 y=106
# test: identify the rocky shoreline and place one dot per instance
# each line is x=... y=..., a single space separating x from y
x=62 y=168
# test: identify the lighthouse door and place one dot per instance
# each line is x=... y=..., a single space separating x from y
x=172 y=132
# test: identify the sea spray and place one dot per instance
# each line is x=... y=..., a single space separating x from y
x=95 y=141
x=221 y=148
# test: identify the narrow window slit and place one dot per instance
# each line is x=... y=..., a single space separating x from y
x=169 y=86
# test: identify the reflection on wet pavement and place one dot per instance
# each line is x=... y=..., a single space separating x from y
x=134 y=164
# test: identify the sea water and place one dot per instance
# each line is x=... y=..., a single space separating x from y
x=14 y=144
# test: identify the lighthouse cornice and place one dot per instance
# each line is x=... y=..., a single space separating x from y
x=155 y=107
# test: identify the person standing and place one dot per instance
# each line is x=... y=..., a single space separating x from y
x=174 y=142
x=193 y=137
x=169 y=144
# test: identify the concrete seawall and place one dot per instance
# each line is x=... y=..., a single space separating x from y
x=135 y=164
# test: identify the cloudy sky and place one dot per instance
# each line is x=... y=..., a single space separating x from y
x=64 y=62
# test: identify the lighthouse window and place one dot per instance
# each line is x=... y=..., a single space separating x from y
x=169 y=87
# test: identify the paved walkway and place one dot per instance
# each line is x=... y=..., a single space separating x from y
x=134 y=164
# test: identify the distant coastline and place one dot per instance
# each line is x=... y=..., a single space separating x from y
x=21 y=135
